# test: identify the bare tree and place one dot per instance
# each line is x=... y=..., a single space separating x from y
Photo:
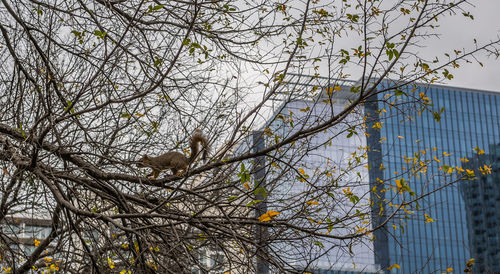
x=88 y=87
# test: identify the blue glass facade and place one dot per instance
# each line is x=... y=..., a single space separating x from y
x=470 y=119
x=482 y=202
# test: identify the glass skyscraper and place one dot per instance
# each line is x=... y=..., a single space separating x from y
x=446 y=221
x=461 y=125
x=482 y=203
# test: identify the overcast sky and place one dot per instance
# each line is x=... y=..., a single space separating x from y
x=460 y=32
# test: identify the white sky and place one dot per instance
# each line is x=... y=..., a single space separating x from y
x=460 y=31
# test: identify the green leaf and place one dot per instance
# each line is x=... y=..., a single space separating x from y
x=355 y=89
x=352 y=131
x=260 y=190
x=437 y=114
x=389 y=53
x=447 y=74
x=251 y=203
x=158 y=61
x=152 y=8
x=467 y=14
x=353 y=17
x=69 y=106
x=76 y=33
x=318 y=243
x=125 y=115
x=99 y=34
x=396 y=53
x=399 y=92
x=39 y=11
x=157 y=7
x=244 y=174
x=354 y=199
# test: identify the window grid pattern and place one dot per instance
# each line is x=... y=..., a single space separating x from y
x=470 y=119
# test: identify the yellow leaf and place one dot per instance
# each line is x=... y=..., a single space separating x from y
x=312 y=202
x=246 y=185
x=268 y=216
x=478 y=150
x=37 y=242
x=337 y=88
x=401 y=137
x=465 y=160
x=347 y=191
x=485 y=169
x=393 y=266
x=449 y=269
x=428 y=219
x=469 y=172
x=436 y=159
x=377 y=125
x=399 y=184
x=302 y=171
